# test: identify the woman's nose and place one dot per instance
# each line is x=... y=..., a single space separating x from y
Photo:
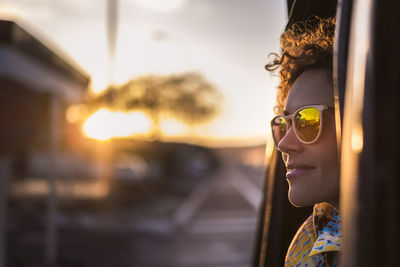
x=290 y=143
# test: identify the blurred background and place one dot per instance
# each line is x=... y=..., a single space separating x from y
x=133 y=132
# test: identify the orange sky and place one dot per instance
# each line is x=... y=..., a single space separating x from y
x=226 y=40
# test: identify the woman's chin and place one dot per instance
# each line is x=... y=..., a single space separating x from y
x=299 y=200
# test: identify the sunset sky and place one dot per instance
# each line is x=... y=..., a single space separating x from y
x=226 y=40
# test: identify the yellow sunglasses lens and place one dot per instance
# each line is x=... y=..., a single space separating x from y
x=307 y=124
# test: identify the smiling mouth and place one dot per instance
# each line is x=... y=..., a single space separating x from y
x=295 y=172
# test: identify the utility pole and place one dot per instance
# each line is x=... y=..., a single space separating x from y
x=54 y=140
x=112 y=30
x=5 y=175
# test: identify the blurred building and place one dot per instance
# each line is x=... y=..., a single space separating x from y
x=37 y=85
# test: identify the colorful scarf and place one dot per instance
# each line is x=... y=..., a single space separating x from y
x=318 y=240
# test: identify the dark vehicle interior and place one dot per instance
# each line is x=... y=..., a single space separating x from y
x=366 y=98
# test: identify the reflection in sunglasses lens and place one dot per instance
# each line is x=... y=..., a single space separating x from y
x=307 y=124
x=279 y=128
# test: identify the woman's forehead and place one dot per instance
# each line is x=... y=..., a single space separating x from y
x=312 y=87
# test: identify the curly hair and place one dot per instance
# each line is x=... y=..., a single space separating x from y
x=305 y=45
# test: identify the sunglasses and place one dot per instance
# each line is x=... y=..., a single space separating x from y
x=306 y=121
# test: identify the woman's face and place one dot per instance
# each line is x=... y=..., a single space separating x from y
x=313 y=169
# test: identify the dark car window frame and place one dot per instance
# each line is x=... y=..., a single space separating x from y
x=370 y=180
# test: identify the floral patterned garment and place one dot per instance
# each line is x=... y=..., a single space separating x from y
x=318 y=240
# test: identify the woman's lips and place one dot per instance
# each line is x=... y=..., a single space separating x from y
x=297 y=171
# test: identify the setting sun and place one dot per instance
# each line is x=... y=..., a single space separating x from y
x=173 y=127
x=105 y=124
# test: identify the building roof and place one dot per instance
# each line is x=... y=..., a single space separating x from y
x=32 y=61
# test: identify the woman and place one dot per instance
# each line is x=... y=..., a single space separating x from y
x=305 y=134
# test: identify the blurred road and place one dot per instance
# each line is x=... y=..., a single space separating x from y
x=212 y=225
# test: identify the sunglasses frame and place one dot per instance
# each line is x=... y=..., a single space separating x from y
x=290 y=120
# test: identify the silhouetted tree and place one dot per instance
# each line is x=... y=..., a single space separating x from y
x=188 y=97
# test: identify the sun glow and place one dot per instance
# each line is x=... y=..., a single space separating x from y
x=173 y=127
x=357 y=142
x=105 y=124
